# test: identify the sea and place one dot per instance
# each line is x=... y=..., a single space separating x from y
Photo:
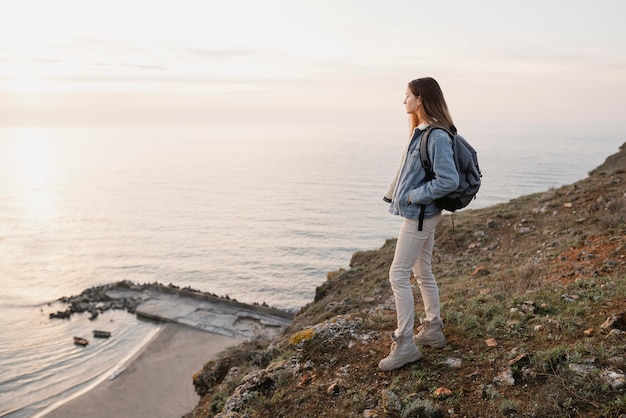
x=256 y=213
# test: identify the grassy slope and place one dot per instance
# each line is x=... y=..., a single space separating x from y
x=538 y=274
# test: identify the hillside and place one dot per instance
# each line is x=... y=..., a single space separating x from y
x=533 y=296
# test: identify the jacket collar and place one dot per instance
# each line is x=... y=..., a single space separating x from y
x=420 y=128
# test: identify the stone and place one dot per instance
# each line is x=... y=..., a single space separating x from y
x=614 y=379
x=491 y=342
x=453 y=362
x=442 y=392
x=583 y=369
x=505 y=378
x=390 y=401
x=529 y=306
x=61 y=315
x=569 y=298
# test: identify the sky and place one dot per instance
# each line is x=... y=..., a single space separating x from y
x=554 y=65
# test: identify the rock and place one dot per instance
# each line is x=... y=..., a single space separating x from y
x=491 y=342
x=61 y=314
x=505 y=378
x=583 y=369
x=231 y=376
x=569 y=298
x=94 y=314
x=453 y=362
x=528 y=373
x=614 y=379
x=390 y=401
x=529 y=306
x=260 y=383
x=326 y=332
x=370 y=413
x=442 y=392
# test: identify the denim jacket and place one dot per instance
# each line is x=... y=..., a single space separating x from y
x=409 y=189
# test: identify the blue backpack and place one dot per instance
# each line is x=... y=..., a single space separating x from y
x=466 y=162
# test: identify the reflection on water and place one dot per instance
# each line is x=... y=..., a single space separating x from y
x=29 y=162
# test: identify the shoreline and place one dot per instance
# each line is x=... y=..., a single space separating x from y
x=107 y=375
x=155 y=381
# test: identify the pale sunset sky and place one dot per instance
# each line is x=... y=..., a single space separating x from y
x=510 y=65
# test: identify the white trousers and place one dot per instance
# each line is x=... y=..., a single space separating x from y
x=414 y=251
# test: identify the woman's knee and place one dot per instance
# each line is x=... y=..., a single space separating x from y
x=399 y=278
x=426 y=280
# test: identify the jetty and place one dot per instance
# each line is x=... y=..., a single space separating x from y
x=185 y=306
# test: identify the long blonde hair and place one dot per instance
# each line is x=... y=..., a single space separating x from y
x=434 y=108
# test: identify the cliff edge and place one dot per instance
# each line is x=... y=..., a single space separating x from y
x=534 y=306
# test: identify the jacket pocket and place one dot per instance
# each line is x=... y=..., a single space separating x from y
x=413 y=160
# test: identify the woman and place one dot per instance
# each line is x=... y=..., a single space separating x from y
x=409 y=193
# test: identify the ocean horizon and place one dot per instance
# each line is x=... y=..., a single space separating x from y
x=259 y=213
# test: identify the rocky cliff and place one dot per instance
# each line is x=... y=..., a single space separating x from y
x=534 y=303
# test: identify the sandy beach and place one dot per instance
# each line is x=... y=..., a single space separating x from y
x=157 y=383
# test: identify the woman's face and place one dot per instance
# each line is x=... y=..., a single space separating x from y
x=411 y=102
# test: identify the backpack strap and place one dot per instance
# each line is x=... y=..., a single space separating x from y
x=424 y=154
x=429 y=170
